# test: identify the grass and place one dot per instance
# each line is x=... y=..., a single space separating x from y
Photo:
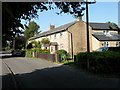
x=66 y=62
x=62 y=62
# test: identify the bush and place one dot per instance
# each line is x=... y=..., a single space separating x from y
x=61 y=52
x=64 y=54
x=29 y=53
x=105 y=62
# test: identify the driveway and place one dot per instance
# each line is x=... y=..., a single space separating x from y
x=32 y=73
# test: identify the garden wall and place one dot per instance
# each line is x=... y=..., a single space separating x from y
x=45 y=56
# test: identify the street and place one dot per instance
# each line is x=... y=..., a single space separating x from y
x=33 y=73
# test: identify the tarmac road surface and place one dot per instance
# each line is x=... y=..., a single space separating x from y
x=32 y=73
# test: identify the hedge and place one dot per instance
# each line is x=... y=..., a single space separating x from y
x=29 y=52
x=105 y=62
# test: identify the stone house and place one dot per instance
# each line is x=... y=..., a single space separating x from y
x=72 y=37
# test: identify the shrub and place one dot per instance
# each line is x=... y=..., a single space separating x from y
x=64 y=54
x=29 y=46
x=105 y=62
x=45 y=41
x=61 y=52
x=29 y=53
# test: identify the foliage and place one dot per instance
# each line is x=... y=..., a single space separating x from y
x=37 y=44
x=100 y=62
x=42 y=51
x=31 y=30
x=7 y=48
x=61 y=52
x=114 y=25
x=45 y=41
x=64 y=54
x=29 y=46
x=29 y=53
x=20 y=42
x=13 y=14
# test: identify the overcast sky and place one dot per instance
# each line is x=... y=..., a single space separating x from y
x=98 y=12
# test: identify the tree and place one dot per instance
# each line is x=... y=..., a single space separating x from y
x=20 y=42
x=31 y=30
x=114 y=25
x=14 y=12
x=45 y=41
x=37 y=44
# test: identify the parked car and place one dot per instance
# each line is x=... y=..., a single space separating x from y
x=108 y=49
x=16 y=52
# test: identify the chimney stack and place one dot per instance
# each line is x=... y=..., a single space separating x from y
x=79 y=18
x=52 y=26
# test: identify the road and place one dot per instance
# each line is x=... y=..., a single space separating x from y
x=32 y=73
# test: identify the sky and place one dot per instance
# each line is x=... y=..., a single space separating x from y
x=98 y=12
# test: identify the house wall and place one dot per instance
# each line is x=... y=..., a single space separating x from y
x=79 y=35
x=111 y=43
x=102 y=31
x=95 y=44
x=61 y=40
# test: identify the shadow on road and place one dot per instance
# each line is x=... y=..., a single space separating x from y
x=61 y=77
x=9 y=56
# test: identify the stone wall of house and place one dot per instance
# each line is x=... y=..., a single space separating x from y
x=97 y=31
x=111 y=43
x=61 y=38
x=95 y=44
x=79 y=35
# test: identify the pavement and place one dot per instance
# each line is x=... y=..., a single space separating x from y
x=33 y=73
x=7 y=78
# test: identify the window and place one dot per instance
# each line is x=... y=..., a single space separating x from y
x=106 y=32
x=55 y=36
x=117 y=44
x=61 y=34
x=106 y=44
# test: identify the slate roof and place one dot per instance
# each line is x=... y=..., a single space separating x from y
x=55 y=30
x=53 y=43
x=102 y=26
x=102 y=37
x=95 y=26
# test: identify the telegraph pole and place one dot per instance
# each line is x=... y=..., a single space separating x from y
x=87 y=28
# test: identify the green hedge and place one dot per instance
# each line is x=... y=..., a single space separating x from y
x=29 y=52
x=64 y=54
x=105 y=62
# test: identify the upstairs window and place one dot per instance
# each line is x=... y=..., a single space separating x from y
x=55 y=36
x=61 y=34
x=106 y=32
x=117 y=44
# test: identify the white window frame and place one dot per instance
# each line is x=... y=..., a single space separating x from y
x=118 y=44
x=106 y=44
x=55 y=36
x=106 y=32
x=61 y=34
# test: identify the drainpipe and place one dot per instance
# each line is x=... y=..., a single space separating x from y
x=71 y=43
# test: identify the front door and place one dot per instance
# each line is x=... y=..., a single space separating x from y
x=56 y=47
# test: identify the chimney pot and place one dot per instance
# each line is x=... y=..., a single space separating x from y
x=52 y=26
x=79 y=18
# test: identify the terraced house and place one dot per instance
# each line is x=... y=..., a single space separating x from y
x=72 y=37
